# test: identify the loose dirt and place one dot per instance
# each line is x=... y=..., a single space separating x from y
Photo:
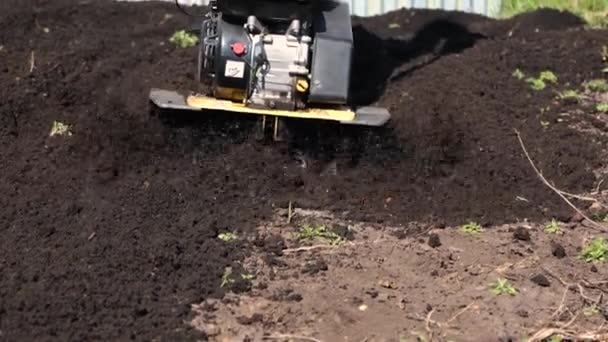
x=111 y=232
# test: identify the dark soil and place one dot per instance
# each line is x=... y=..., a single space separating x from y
x=111 y=233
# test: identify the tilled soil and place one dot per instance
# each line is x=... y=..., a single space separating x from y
x=378 y=286
x=110 y=233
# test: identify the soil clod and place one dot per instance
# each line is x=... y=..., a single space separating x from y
x=558 y=250
x=521 y=234
x=255 y=318
x=541 y=280
x=315 y=266
x=434 y=240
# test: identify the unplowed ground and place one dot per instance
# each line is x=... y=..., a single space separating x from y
x=111 y=232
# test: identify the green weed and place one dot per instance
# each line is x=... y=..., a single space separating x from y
x=227 y=278
x=548 y=76
x=598 y=86
x=227 y=237
x=471 y=228
x=553 y=227
x=60 y=129
x=591 y=311
x=596 y=250
x=183 y=39
x=519 y=74
x=309 y=232
x=570 y=96
x=536 y=83
x=503 y=287
x=602 y=107
x=539 y=83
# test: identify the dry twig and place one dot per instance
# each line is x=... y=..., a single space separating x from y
x=427 y=324
x=32 y=62
x=545 y=333
x=556 y=190
x=465 y=309
x=289 y=213
x=290 y=337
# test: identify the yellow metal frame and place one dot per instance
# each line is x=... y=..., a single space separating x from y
x=205 y=102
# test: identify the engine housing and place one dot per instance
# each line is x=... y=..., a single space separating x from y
x=282 y=62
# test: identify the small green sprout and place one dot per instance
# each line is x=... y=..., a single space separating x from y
x=394 y=26
x=309 y=232
x=183 y=39
x=227 y=277
x=60 y=129
x=247 y=276
x=503 y=287
x=544 y=110
x=519 y=74
x=544 y=123
x=570 y=96
x=602 y=107
x=591 y=311
x=596 y=250
x=554 y=338
x=553 y=227
x=540 y=83
x=471 y=228
x=536 y=83
x=227 y=237
x=598 y=86
x=548 y=76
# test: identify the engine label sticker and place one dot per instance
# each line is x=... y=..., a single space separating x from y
x=235 y=69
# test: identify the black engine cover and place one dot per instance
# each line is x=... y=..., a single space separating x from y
x=232 y=72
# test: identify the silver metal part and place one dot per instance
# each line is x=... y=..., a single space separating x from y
x=370 y=116
x=253 y=25
x=285 y=58
x=168 y=99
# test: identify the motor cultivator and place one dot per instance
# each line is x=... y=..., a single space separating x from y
x=277 y=59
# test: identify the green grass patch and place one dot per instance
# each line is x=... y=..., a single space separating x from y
x=602 y=108
x=596 y=250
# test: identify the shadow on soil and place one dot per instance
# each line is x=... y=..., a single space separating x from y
x=377 y=59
